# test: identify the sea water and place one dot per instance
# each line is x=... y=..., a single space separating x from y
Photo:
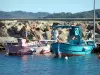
x=47 y=65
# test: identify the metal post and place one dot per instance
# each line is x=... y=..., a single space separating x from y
x=94 y=20
x=59 y=53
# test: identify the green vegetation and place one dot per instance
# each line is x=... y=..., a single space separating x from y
x=30 y=15
x=86 y=14
x=22 y=14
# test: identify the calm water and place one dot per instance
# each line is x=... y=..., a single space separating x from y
x=42 y=65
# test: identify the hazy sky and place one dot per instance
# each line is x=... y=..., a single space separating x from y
x=48 y=5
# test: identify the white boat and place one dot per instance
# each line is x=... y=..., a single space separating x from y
x=22 y=48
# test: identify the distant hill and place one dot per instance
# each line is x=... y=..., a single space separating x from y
x=5 y=15
x=31 y=15
x=86 y=14
x=22 y=14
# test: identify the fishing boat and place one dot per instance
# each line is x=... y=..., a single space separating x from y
x=20 y=48
x=73 y=46
x=26 y=48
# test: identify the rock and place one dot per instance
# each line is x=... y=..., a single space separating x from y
x=3 y=30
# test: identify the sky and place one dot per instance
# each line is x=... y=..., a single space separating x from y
x=50 y=6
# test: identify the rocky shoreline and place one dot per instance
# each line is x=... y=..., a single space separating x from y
x=12 y=28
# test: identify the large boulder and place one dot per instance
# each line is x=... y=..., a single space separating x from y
x=3 y=32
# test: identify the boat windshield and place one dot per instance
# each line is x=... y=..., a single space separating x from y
x=66 y=34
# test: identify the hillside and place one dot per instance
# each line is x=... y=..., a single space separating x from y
x=31 y=15
x=86 y=14
x=22 y=14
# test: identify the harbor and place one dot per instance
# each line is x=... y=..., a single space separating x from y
x=49 y=37
x=47 y=65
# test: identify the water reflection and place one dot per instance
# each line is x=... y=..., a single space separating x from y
x=24 y=58
x=47 y=65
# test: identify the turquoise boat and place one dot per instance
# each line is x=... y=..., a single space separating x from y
x=72 y=47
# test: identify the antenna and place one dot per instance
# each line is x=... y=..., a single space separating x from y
x=94 y=20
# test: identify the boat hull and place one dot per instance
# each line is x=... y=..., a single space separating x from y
x=17 y=50
x=25 y=50
x=69 y=49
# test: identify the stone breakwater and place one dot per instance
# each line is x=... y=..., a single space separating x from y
x=12 y=28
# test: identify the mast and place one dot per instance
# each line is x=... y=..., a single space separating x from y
x=94 y=21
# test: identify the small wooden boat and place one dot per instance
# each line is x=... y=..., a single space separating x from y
x=21 y=48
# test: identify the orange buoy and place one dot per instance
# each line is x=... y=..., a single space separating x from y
x=99 y=56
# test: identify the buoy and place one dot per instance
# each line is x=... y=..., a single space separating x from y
x=66 y=58
x=7 y=53
x=99 y=56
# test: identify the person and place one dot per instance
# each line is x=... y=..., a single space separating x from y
x=61 y=37
x=39 y=34
x=36 y=33
x=73 y=40
x=24 y=31
x=48 y=33
x=31 y=32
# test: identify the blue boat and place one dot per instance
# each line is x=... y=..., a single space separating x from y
x=72 y=47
